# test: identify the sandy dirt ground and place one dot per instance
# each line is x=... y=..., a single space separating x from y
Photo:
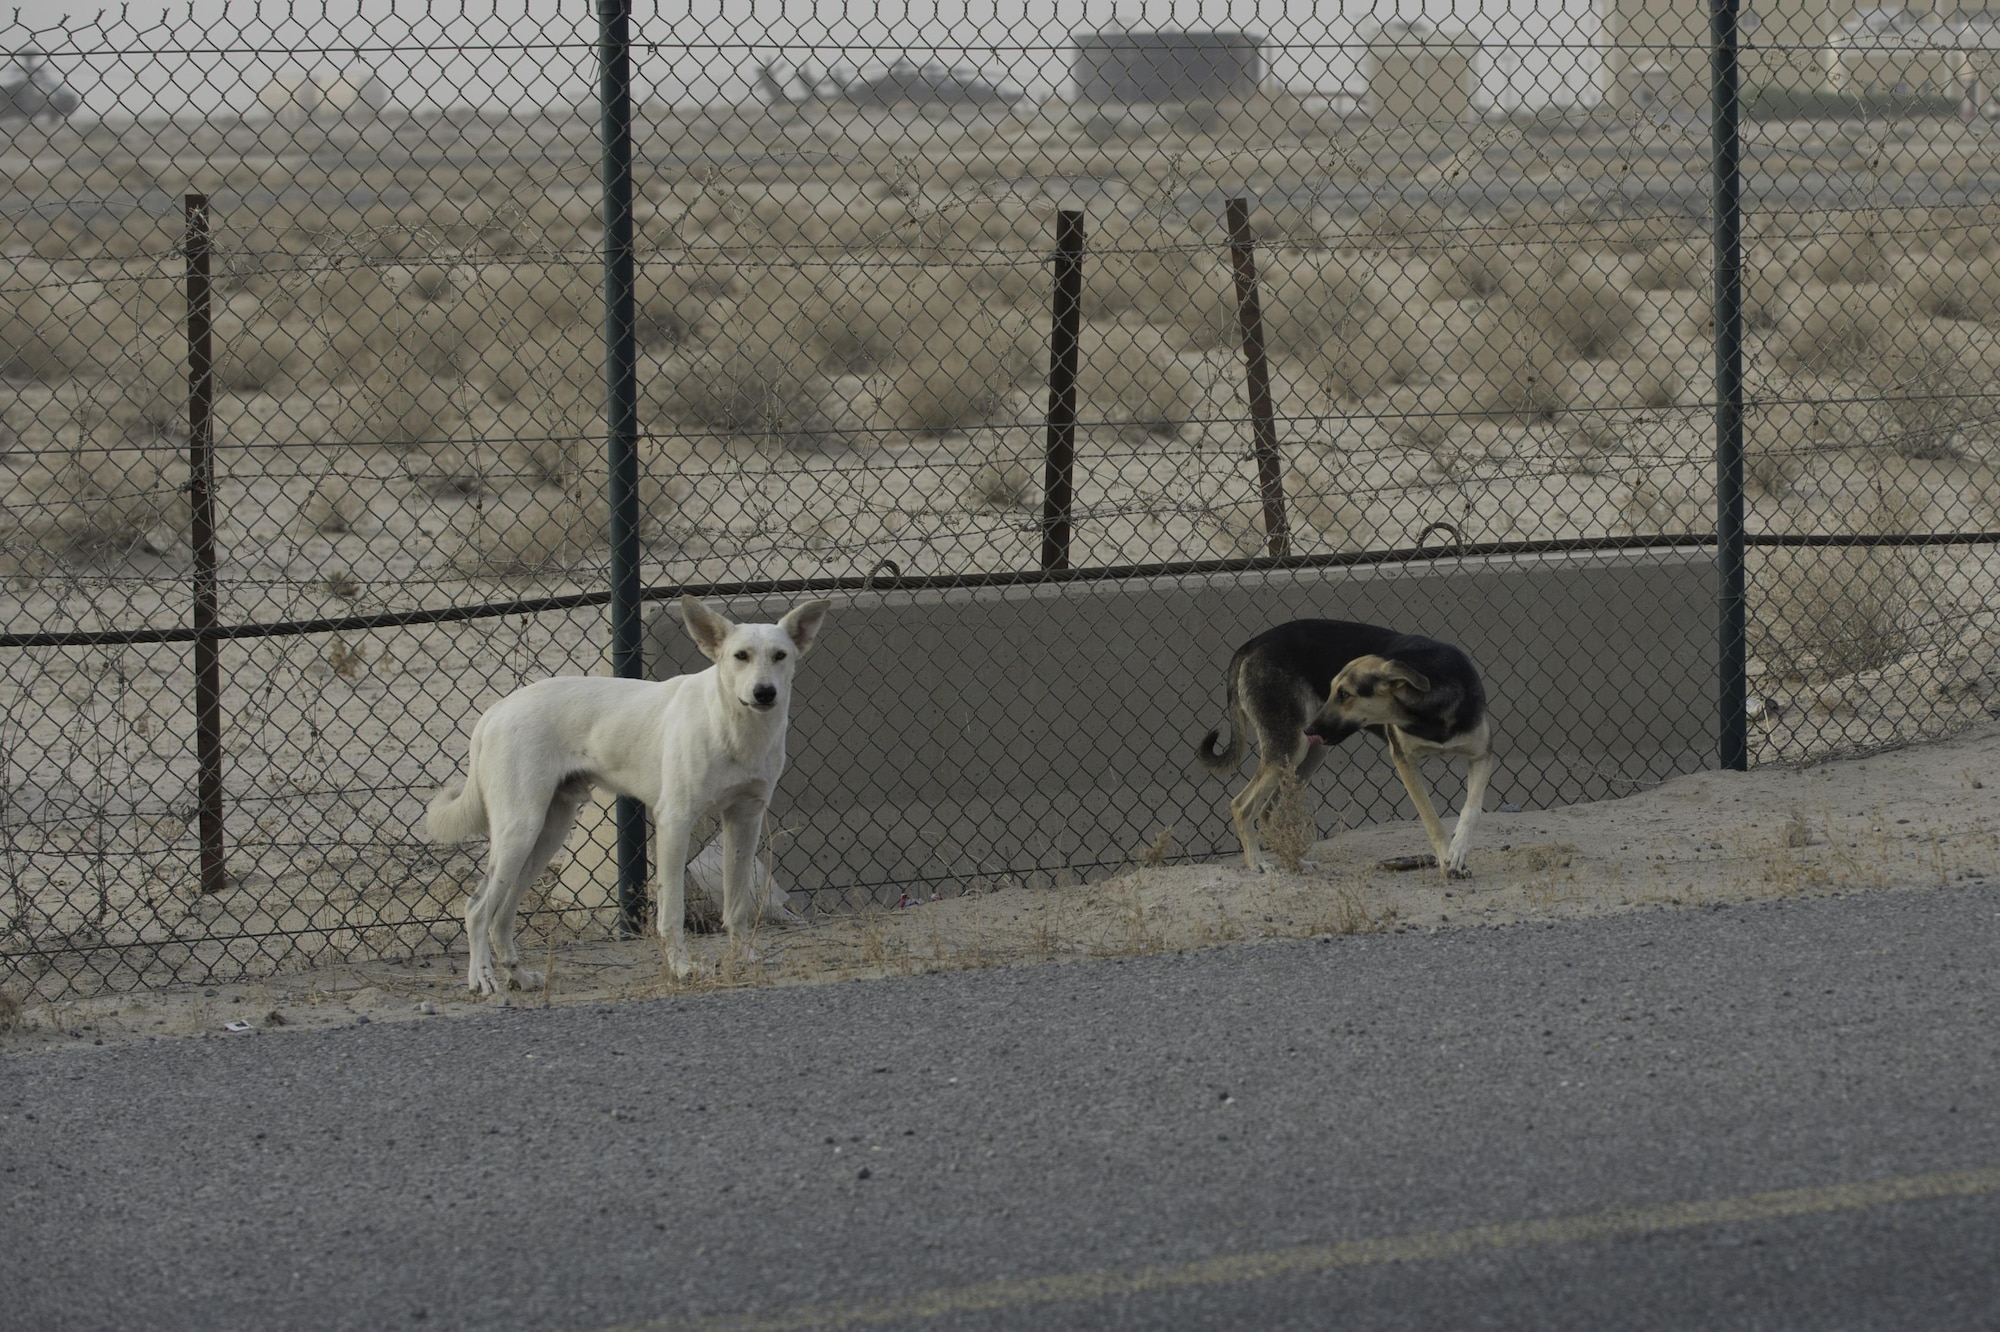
x=1921 y=818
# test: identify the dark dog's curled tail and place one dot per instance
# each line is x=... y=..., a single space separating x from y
x=1224 y=759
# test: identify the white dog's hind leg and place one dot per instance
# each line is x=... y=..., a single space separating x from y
x=490 y=917
x=479 y=942
x=556 y=823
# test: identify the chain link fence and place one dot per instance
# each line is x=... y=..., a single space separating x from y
x=1480 y=248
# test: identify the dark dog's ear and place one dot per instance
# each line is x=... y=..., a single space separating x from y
x=704 y=626
x=803 y=623
x=1396 y=673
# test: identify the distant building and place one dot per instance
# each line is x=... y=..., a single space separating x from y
x=904 y=83
x=1418 y=75
x=1119 y=66
x=299 y=96
x=1656 y=56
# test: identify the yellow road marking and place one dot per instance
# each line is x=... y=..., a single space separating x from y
x=1426 y=1246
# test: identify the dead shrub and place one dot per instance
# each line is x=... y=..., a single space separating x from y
x=757 y=375
x=1139 y=268
x=956 y=374
x=1685 y=264
x=1235 y=531
x=1946 y=286
x=1474 y=266
x=1818 y=613
x=1004 y=483
x=1584 y=300
x=403 y=409
x=1833 y=330
x=1841 y=248
x=1934 y=395
x=108 y=497
x=1318 y=493
x=1777 y=443
x=1128 y=375
x=1517 y=363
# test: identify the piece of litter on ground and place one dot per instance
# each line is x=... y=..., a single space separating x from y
x=238 y=1025
x=427 y=1007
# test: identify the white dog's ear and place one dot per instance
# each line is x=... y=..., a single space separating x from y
x=802 y=624
x=704 y=626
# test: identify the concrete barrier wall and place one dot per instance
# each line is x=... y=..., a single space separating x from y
x=954 y=738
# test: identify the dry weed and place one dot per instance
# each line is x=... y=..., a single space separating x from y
x=1288 y=827
x=1128 y=375
x=1835 y=329
x=1819 y=613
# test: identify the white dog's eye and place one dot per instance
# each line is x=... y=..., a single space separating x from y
x=777 y=656
x=742 y=655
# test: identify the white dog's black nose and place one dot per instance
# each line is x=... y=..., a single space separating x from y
x=764 y=695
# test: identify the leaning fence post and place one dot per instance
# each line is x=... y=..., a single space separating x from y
x=1733 y=666
x=621 y=415
x=1257 y=379
x=1059 y=471
x=201 y=502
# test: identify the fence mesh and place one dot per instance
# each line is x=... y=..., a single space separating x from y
x=1482 y=258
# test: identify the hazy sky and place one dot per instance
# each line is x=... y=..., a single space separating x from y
x=219 y=52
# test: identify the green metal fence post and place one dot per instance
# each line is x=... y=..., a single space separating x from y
x=1726 y=172
x=621 y=415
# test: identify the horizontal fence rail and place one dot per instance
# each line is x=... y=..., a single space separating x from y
x=1637 y=358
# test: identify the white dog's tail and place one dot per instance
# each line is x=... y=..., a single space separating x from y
x=457 y=813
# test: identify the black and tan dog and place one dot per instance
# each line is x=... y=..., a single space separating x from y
x=1306 y=685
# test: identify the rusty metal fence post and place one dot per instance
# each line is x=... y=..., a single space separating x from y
x=1064 y=340
x=201 y=502
x=1257 y=379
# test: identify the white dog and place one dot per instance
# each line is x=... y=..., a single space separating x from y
x=709 y=743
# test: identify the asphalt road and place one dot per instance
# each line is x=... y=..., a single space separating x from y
x=1776 y=1116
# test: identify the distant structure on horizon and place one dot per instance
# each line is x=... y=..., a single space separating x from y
x=904 y=83
x=301 y=96
x=1418 y=74
x=1126 y=66
x=30 y=90
x=1656 y=51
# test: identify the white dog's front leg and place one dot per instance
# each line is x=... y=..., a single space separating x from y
x=742 y=826
x=670 y=917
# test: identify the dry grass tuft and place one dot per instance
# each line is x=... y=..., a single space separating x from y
x=334 y=506
x=1005 y=483
x=1288 y=828
x=1777 y=443
x=1819 y=613
x=524 y=533
x=1156 y=852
